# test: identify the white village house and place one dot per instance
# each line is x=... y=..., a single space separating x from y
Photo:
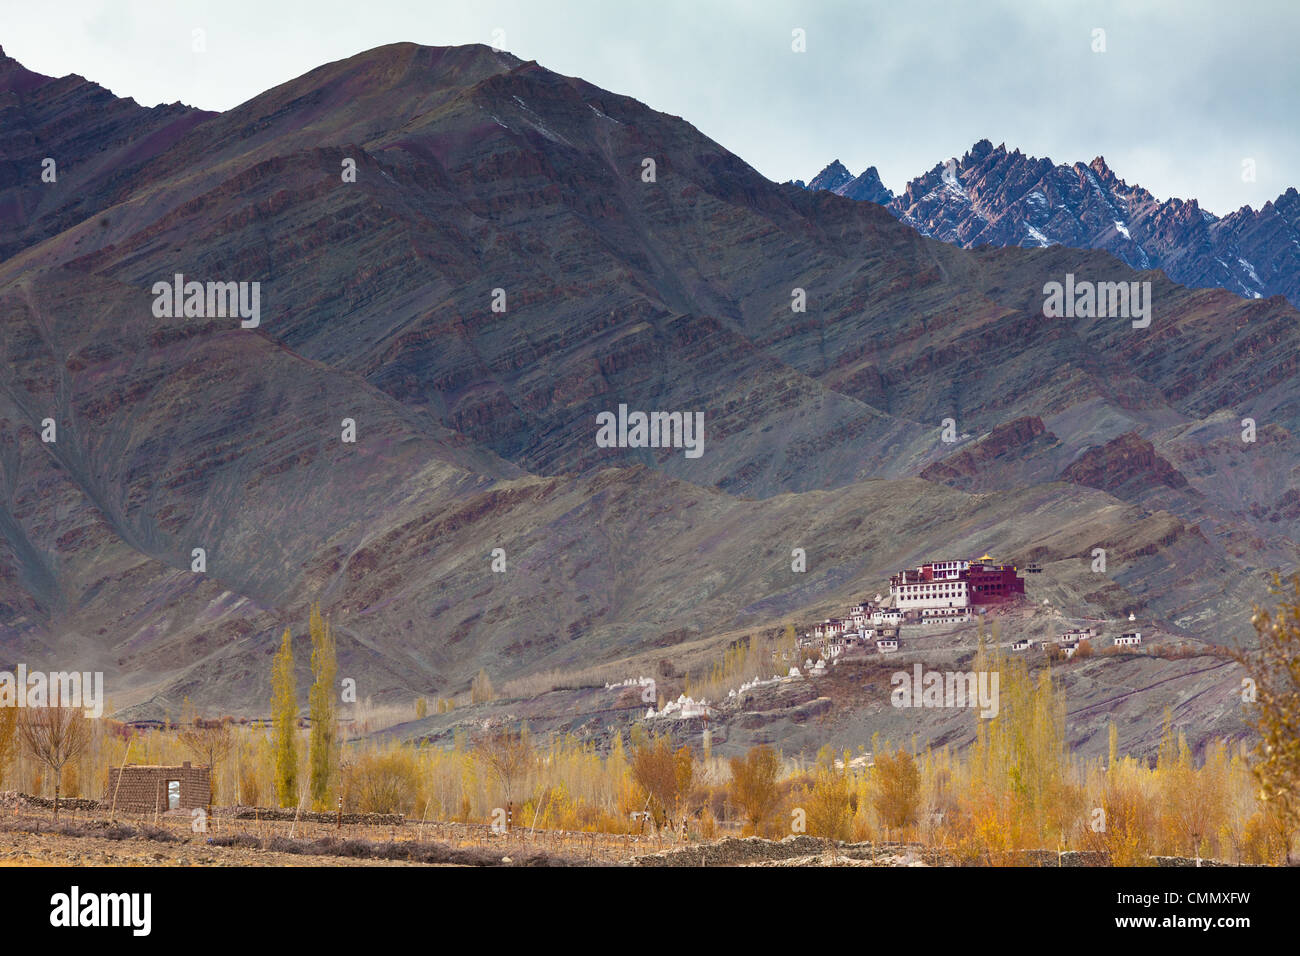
x=944 y=615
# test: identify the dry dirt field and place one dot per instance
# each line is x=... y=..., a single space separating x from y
x=47 y=849
x=30 y=837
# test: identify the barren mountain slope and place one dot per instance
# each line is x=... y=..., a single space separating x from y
x=476 y=428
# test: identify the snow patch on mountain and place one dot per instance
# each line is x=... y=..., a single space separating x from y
x=603 y=116
x=1037 y=236
x=1250 y=269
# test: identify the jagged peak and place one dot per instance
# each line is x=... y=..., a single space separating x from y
x=1098 y=166
x=981 y=149
x=867 y=186
x=832 y=177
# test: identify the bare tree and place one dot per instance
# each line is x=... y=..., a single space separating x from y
x=665 y=775
x=210 y=741
x=54 y=735
x=509 y=755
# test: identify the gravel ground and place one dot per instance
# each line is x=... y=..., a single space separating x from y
x=50 y=849
x=26 y=840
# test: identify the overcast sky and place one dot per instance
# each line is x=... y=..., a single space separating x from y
x=1184 y=92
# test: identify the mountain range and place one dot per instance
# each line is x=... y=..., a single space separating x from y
x=999 y=198
x=503 y=266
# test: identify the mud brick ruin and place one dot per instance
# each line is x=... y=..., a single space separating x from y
x=146 y=788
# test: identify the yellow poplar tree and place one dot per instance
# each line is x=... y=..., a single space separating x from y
x=323 y=745
x=897 y=798
x=284 y=715
x=8 y=738
x=830 y=800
